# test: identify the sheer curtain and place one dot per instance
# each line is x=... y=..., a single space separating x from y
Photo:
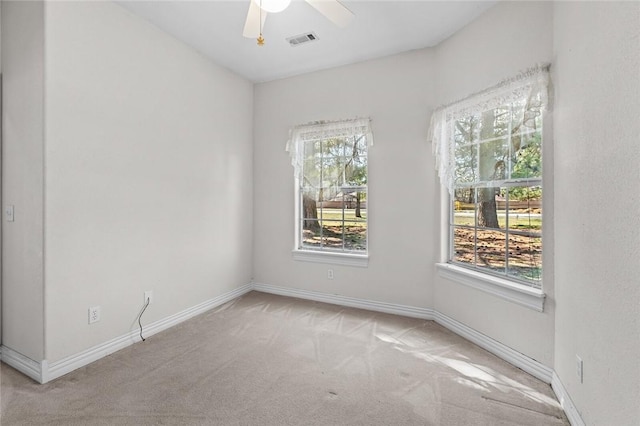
x=320 y=130
x=532 y=85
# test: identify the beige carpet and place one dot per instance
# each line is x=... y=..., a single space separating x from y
x=272 y=360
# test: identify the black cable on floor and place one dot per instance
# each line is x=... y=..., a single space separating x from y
x=140 y=318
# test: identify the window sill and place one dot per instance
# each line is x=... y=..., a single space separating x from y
x=347 y=259
x=503 y=288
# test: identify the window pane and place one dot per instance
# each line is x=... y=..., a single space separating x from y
x=464 y=207
x=333 y=194
x=464 y=245
x=332 y=213
x=502 y=121
x=492 y=165
x=487 y=204
x=310 y=203
x=355 y=171
x=355 y=236
x=347 y=147
x=499 y=228
x=332 y=234
x=526 y=158
x=333 y=176
x=356 y=205
x=311 y=233
x=527 y=114
x=356 y=162
x=525 y=258
x=312 y=168
x=466 y=163
x=467 y=130
x=333 y=147
x=491 y=250
x=525 y=209
x=312 y=148
x=517 y=116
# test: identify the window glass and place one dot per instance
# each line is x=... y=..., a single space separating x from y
x=496 y=211
x=333 y=195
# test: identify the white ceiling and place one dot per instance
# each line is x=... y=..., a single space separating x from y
x=380 y=28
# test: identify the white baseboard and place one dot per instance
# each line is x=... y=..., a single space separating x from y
x=565 y=401
x=44 y=372
x=336 y=299
x=502 y=351
x=514 y=357
x=23 y=364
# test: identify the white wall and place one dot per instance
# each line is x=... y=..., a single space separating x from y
x=148 y=175
x=597 y=182
x=0 y=172
x=398 y=94
x=150 y=169
x=507 y=39
x=22 y=177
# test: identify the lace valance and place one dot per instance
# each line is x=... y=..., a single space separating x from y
x=531 y=86
x=320 y=130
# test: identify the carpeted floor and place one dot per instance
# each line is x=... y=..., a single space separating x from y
x=270 y=360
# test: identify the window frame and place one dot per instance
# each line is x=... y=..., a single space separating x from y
x=532 y=183
x=532 y=84
x=358 y=258
x=506 y=183
x=499 y=286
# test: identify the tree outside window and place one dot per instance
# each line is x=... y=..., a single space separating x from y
x=496 y=215
x=333 y=194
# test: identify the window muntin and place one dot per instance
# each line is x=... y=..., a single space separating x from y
x=332 y=195
x=496 y=210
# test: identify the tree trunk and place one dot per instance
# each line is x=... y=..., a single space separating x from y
x=487 y=211
x=358 y=213
x=310 y=210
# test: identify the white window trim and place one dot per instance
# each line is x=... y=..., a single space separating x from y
x=505 y=289
x=333 y=258
x=325 y=256
x=501 y=287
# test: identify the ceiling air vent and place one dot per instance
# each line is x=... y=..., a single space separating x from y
x=302 y=39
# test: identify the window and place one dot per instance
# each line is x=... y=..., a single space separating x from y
x=491 y=145
x=496 y=210
x=331 y=186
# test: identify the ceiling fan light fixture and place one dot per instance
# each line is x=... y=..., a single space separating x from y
x=273 y=6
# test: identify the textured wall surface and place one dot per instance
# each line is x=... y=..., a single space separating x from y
x=404 y=230
x=22 y=177
x=154 y=169
x=397 y=93
x=506 y=40
x=148 y=173
x=597 y=182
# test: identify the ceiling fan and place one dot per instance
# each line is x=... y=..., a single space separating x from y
x=333 y=10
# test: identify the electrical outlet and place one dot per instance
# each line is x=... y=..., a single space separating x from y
x=329 y=274
x=579 y=368
x=148 y=296
x=94 y=314
x=9 y=213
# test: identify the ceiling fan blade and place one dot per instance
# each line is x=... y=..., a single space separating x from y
x=334 y=11
x=253 y=23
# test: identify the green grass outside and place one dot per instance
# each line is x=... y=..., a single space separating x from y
x=333 y=217
x=516 y=221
